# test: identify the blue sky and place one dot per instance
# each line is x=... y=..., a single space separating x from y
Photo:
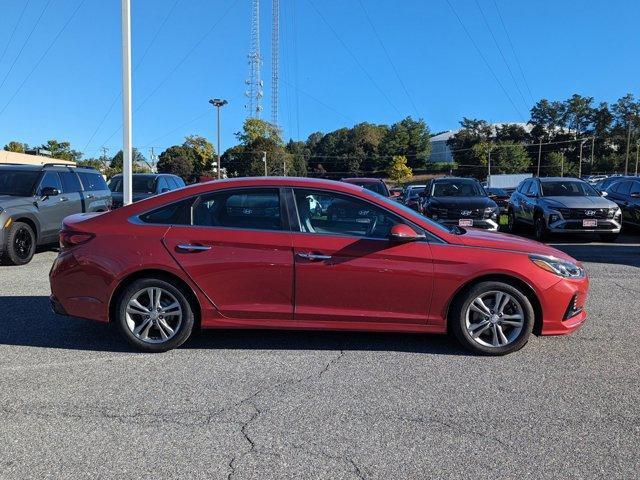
x=64 y=89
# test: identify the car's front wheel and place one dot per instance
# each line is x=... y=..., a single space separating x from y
x=154 y=316
x=540 y=229
x=20 y=246
x=492 y=318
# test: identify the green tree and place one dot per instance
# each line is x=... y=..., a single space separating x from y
x=508 y=157
x=297 y=158
x=471 y=160
x=139 y=161
x=62 y=150
x=410 y=138
x=16 y=147
x=204 y=153
x=256 y=138
x=398 y=171
x=578 y=114
x=178 y=160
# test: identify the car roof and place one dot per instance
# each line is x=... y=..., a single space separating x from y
x=559 y=179
x=38 y=168
x=362 y=180
x=456 y=179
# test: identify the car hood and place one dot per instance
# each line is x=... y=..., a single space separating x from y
x=504 y=241
x=578 y=202
x=461 y=202
x=8 y=201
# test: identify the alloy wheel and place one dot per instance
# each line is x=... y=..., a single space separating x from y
x=22 y=243
x=153 y=315
x=494 y=319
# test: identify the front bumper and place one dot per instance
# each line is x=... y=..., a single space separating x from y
x=486 y=224
x=563 y=306
x=576 y=226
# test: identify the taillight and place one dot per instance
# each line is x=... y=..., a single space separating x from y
x=70 y=238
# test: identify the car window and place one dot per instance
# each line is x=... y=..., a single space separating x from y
x=533 y=188
x=457 y=188
x=256 y=209
x=331 y=213
x=162 y=185
x=624 y=188
x=378 y=187
x=177 y=213
x=173 y=185
x=50 y=179
x=635 y=187
x=524 y=187
x=92 y=181
x=179 y=182
x=568 y=188
x=70 y=182
x=18 y=183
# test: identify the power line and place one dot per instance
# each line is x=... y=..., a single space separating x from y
x=13 y=32
x=475 y=45
x=317 y=100
x=513 y=50
x=504 y=59
x=389 y=58
x=35 y=25
x=176 y=129
x=55 y=39
x=355 y=58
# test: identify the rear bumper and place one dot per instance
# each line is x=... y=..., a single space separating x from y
x=557 y=319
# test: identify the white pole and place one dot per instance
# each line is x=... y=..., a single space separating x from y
x=126 y=103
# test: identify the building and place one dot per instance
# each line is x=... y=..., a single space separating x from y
x=27 y=159
x=440 y=151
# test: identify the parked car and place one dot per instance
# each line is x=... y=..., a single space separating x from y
x=594 y=179
x=34 y=199
x=251 y=253
x=604 y=184
x=500 y=196
x=412 y=196
x=563 y=205
x=626 y=194
x=144 y=185
x=459 y=201
x=374 y=184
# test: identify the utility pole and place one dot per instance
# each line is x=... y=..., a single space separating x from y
x=593 y=148
x=637 y=152
x=264 y=160
x=284 y=167
x=152 y=157
x=580 y=160
x=218 y=102
x=489 y=168
x=127 y=153
x=562 y=164
x=103 y=158
x=626 y=158
x=539 y=155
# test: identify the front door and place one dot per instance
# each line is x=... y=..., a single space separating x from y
x=51 y=209
x=238 y=251
x=348 y=273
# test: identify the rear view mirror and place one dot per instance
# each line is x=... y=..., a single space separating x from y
x=402 y=233
x=49 y=192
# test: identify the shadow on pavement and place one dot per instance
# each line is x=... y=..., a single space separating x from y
x=29 y=321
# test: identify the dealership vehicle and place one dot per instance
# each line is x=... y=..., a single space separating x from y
x=373 y=184
x=144 y=185
x=459 y=201
x=563 y=205
x=626 y=193
x=251 y=253
x=412 y=196
x=604 y=184
x=500 y=196
x=34 y=199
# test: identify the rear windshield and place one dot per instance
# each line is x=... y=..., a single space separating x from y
x=563 y=188
x=457 y=188
x=18 y=183
x=141 y=184
x=415 y=191
x=377 y=187
x=92 y=181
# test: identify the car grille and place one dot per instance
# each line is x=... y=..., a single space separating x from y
x=456 y=213
x=581 y=213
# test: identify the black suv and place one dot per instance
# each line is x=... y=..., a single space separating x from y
x=563 y=205
x=144 y=185
x=459 y=202
x=626 y=193
x=34 y=199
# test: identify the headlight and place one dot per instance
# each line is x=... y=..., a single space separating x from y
x=559 y=267
x=613 y=212
x=491 y=212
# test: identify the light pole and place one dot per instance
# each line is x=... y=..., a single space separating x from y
x=218 y=102
x=637 y=152
x=489 y=168
x=127 y=168
x=580 y=161
x=264 y=160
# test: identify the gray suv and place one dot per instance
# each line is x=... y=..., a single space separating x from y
x=563 y=205
x=34 y=199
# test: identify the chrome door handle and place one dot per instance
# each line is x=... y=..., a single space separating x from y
x=193 y=248
x=314 y=256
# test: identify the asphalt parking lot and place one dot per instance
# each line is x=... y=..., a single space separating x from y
x=76 y=402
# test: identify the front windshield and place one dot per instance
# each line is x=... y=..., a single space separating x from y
x=497 y=191
x=410 y=213
x=567 y=188
x=140 y=184
x=415 y=191
x=456 y=188
x=18 y=183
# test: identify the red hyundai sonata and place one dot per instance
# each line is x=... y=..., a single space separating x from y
x=294 y=253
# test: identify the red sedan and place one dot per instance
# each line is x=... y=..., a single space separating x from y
x=293 y=253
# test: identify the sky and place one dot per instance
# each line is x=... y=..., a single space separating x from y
x=342 y=62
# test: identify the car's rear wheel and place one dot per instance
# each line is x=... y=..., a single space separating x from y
x=609 y=237
x=492 y=318
x=21 y=244
x=154 y=316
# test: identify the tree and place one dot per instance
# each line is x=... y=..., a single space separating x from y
x=578 y=114
x=471 y=160
x=203 y=151
x=254 y=128
x=178 y=160
x=398 y=171
x=509 y=157
x=410 y=138
x=257 y=137
x=297 y=158
x=62 y=150
x=138 y=160
x=16 y=147
x=547 y=116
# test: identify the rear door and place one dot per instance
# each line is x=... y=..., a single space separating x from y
x=96 y=193
x=237 y=248
x=71 y=192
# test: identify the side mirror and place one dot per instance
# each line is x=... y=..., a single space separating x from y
x=49 y=192
x=635 y=195
x=164 y=190
x=402 y=233
x=603 y=193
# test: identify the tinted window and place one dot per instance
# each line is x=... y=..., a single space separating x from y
x=140 y=184
x=93 y=181
x=533 y=188
x=70 y=182
x=251 y=209
x=163 y=185
x=18 y=183
x=172 y=183
x=524 y=186
x=635 y=187
x=378 y=187
x=568 y=188
x=331 y=213
x=178 y=213
x=457 y=188
x=50 y=179
x=179 y=182
x=415 y=192
x=623 y=188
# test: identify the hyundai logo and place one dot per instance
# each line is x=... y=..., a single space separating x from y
x=465 y=213
x=589 y=213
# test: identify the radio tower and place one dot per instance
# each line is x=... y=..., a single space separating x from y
x=254 y=82
x=275 y=59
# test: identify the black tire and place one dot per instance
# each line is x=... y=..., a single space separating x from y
x=609 y=237
x=540 y=229
x=182 y=332
x=457 y=318
x=20 y=246
x=512 y=225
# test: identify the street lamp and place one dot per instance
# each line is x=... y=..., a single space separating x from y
x=218 y=102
